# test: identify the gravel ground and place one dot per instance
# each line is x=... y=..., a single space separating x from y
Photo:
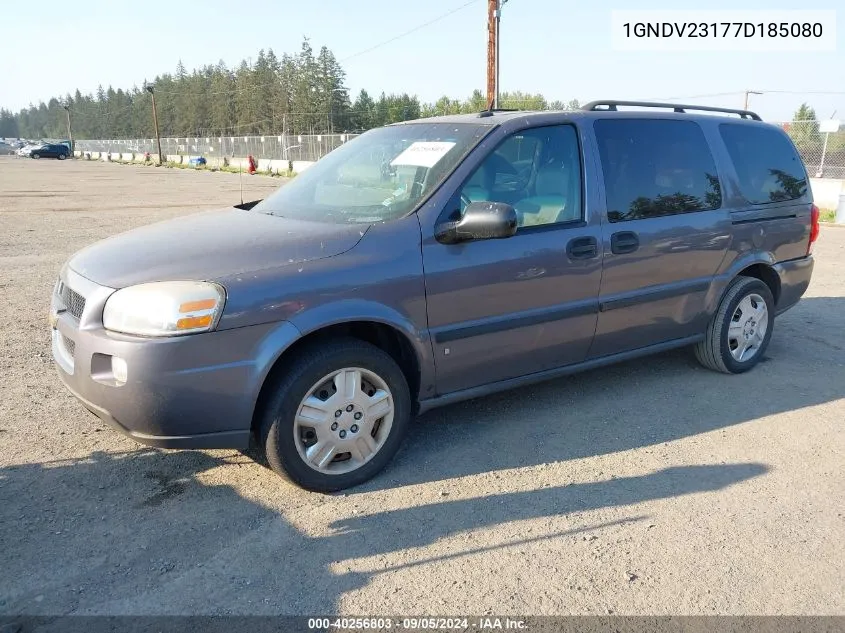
x=653 y=487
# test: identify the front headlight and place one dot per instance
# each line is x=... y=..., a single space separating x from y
x=165 y=308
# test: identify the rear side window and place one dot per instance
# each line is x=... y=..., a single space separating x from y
x=654 y=168
x=766 y=163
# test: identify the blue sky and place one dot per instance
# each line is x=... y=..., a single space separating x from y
x=557 y=47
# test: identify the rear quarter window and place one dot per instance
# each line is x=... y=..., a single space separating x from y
x=656 y=167
x=767 y=165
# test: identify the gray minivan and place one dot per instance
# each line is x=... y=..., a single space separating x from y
x=434 y=261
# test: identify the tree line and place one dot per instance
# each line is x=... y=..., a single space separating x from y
x=296 y=93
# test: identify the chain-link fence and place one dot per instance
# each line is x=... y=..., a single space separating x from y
x=823 y=153
x=293 y=147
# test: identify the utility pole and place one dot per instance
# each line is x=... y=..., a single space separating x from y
x=494 y=18
x=749 y=92
x=69 y=131
x=151 y=90
x=492 y=57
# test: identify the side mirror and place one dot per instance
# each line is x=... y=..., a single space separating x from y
x=481 y=221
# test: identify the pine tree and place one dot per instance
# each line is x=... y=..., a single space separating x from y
x=331 y=95
x=277 y=98
x=476 y=103
x=304 y=89
x=804 y=130
x=261 y=96
x=244 y=116
x=363 y=111
x=8 y=124
x=287 y=86
x=222 y=101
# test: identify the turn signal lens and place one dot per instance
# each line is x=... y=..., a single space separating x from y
x=195 y=306
x=193 y=322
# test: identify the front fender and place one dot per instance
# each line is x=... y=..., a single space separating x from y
x=277 y=341
x=351 y=310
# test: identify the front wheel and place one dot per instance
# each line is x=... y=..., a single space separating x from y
x=336 y=416
x=36 y=155
x=62 y=156
x=739 y=333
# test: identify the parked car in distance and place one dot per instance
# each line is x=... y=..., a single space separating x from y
x=49 y=150
x=434 y=261
x=6 y=148
x=26 y=148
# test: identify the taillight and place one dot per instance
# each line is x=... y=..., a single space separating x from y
x=814 y=227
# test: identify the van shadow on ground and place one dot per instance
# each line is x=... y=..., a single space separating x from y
x=140 y=533
x=639 y=403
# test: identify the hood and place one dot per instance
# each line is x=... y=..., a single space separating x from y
x=211 y=245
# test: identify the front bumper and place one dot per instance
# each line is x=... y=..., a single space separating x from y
x=195 y=391
x=216 y=439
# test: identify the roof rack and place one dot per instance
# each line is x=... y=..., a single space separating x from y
x=598 y=106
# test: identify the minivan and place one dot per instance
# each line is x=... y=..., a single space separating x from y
x=433 y=261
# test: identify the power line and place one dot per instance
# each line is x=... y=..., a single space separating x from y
x=804 y=92
x=109 y=112
x=705 y=96
x=413 y=30
x=239 y=90
x=741 y=92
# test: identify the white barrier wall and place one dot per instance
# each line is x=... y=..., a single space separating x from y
x=826 y=191
x=264 y=164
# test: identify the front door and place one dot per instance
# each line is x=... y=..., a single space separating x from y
x=665 y=235
x=503 y=308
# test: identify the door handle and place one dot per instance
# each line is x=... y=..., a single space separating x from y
x=624 y=242
x=582 y=248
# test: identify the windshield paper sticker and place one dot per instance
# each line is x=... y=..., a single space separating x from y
x=423 y=154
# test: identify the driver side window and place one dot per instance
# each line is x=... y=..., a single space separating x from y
x=537 y=171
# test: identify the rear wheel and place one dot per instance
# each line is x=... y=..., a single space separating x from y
x=336 y=416
x=737 y=337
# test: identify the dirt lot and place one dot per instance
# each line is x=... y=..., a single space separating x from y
x=653 y=487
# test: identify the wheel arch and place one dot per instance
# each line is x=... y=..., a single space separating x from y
x=765 y=273
x=387 y=335
x=758 y=265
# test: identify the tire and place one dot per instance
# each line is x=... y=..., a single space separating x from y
x=734 y=325
x=285 y=425
x=61 y=156
x=35 y=155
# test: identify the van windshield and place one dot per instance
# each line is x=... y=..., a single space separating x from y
x=378 y=176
